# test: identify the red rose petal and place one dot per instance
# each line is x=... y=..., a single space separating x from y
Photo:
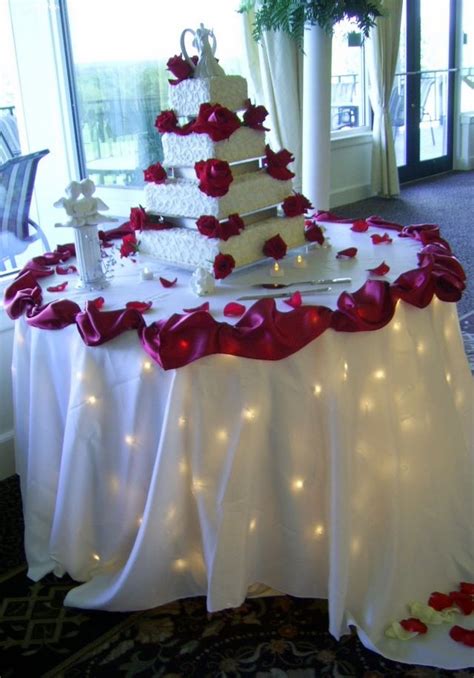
x=381 y=269
x=461 y=635
x=233 y=309
x=168 y=283
x=463 y=601
x=379 y=239
x=359 y=226
x=413 y=625
x=58 y=288
x=295 y=300
x=64 y=270
x=439 y=601
x=202 y=307
x=348 y=253
x=141 y=306
x=98 y=302
x=466 y=587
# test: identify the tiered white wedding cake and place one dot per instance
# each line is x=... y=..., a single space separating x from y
x=226 y=195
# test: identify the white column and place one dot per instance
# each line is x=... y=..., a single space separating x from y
x=317 y=117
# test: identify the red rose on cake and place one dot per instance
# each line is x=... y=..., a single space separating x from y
x=180 y=68
x=155 y=173
x=223 y=266
x=216 y=121
x=214 y=177
x=295 y=205
x=212 y=228
x=254 y=117
x=166 y=122
x=276 y=164
x=275 y=247
x=138 y=218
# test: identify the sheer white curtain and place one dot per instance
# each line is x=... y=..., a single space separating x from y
x=382 y=52
x=275 y=71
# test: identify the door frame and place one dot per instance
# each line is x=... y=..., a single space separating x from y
x=414 y=167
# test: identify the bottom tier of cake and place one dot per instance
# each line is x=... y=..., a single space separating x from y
x=188 y=248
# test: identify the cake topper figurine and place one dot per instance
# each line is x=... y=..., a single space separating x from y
x=207 y=65
x=82 y=211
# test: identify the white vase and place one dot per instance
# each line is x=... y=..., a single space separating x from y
x=89 y=258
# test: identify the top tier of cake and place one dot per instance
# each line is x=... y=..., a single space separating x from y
x=229 y=91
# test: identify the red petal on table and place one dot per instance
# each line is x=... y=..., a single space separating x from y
x=467 y=587
x=379 y=239
x=64 y=270
x=439 y=601
x=168 y=283
x=348 y=253
x=58 y=288
x=295 y=300
x=381 y=269
x=98 y=302
x=202 y=307
x=233 y=309
x=413 y=625
x=461 y=635
x=360 y=226
x=463 y=600
x=140 y=306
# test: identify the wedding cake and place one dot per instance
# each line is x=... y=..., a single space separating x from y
x=222 y=199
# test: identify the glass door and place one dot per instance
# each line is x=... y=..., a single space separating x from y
x=422 y=97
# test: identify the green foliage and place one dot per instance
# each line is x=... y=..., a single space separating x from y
x=291 y=16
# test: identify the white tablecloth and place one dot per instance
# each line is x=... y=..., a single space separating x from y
x=343 y=471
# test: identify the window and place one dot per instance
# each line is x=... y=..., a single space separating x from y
x=348 y=90
x=119 y=55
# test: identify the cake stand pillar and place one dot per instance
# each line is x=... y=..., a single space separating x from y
x=317 y=116
x=89 y=258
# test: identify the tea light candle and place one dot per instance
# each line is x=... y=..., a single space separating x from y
x=277 y=271
x=300 y=262
x=146 y=274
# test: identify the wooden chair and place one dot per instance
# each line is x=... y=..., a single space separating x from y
x=17 y=178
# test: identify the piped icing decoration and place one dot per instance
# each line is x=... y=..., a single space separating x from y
x=276 y=164
x=214 y=176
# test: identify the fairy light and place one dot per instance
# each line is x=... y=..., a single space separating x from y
x=130 y=440
x=317 y=389
x=182 y=422
x=379 y=375
x=367 y=405
x=420 y=348
x=297 y=484
x=146 y=365
x=96 y=557
x=198 y=485
x=276 y=271
x=139 y=520
x=300 y=262
x=180 y=564
x=222 y=435
x=448 y=377
x=92 y=400
x=319 y=530
x=397 y=326
x=249 y=414
x=252 y=525
x=79 y=376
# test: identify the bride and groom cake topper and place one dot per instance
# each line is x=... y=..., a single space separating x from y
x=207 y=65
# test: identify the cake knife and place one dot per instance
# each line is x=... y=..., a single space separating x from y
x=327 y=281
x=281 y=295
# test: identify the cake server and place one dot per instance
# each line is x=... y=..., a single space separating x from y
x=277 y=286
x=282 y=295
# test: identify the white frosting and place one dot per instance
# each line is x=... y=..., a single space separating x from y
x=229 y=91
x=189 y=248
x=182 y=151
x=247 y=193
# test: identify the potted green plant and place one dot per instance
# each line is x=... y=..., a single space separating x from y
x=291 y=16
